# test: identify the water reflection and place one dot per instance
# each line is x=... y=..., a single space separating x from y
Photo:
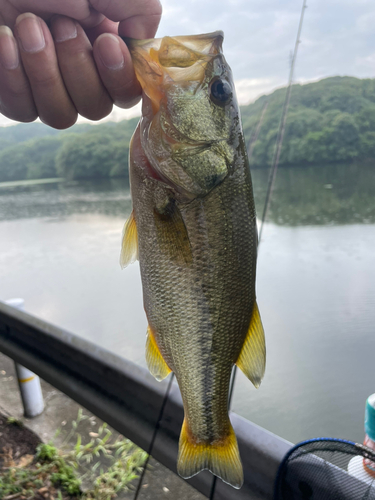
x=106 y=197
x=331 y=194
x=320 y=195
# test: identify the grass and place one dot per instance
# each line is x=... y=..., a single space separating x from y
x=104 y=465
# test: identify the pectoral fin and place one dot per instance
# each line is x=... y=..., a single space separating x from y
x=172 y=235
x=252 y=359
x=129 y=249
x=155 y=361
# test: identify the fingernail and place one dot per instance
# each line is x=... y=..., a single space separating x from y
x=8 y=49
x=110 y=51
x=30 y=32
x=63 y=28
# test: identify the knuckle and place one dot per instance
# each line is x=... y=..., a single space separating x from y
x=97 y=113
x=127 y=102
x=60 y=122
x=46 y=80
x=23 y=115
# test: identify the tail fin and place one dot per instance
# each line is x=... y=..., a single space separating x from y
x=222 y=458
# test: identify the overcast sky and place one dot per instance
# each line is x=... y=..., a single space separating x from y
x=338 y=38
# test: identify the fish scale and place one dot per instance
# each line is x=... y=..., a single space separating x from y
x=196 y=240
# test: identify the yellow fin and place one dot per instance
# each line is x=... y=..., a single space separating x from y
x=252 y=358
x=129 y=249
x=155 y=361
x=222 y=457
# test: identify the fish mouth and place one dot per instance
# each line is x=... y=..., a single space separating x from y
x=181 y=145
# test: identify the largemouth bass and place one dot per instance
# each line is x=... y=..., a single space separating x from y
x=193 y=229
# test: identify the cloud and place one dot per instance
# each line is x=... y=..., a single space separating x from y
x=337 y=38
x=249 y=89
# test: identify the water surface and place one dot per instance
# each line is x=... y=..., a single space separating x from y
x=60 y=246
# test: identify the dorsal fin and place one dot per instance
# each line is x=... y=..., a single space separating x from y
x=129 y=248
x=252 y=358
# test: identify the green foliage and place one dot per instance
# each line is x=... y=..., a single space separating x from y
x=32 y=151
x=46 y=452
x=33 y=159
x=92 y=155
x=107 y=465
x=20 y=133
x=66 y=477
x=332 y=120
x=14 y=421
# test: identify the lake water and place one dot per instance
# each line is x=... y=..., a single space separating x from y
x=60 y=247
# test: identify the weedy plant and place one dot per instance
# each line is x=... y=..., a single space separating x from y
x=104 y=465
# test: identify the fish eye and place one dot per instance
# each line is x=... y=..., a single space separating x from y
x=221 y=91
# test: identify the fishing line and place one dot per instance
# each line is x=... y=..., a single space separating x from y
x=271 y=181
x=156 y=429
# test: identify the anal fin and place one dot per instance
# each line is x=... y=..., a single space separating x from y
x=155 y=361
x=129 y=248
x=252 y=358
x=221 y=457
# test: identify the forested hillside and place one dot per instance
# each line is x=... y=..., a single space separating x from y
x=82 y=152
x=332 y=120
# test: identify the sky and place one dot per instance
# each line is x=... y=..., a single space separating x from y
x=338 y=38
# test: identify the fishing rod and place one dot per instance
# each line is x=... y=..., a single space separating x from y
x=279 y=143
x=280 y=134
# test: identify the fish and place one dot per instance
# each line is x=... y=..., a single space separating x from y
x=193 y=229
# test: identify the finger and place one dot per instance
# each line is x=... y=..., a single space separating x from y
x=9 y=13
x=106 y=26
x=37 y=50
x=78 y=9
x=92 y=20
x=116 y=70
x=138 y=18
x=78 y=69
x=16 y=100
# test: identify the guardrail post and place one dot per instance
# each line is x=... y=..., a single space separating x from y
x=29 y=383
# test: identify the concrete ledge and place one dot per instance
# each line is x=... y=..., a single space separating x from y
x=129 y=399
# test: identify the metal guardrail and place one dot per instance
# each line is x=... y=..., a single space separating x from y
x=129 y=399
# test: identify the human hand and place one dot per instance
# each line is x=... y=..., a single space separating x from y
x=60 y=58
